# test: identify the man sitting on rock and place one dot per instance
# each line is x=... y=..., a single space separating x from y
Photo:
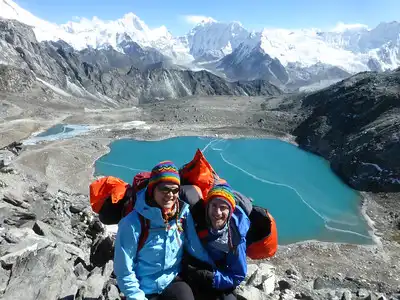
x=149 y=269
x=222 y=227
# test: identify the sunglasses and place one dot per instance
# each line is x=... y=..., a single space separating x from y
x=166 y=189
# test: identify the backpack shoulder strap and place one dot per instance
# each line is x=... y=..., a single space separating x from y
x=144 y=232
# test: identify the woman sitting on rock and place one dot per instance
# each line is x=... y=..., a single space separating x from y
x=152 y=272
x=222 y=227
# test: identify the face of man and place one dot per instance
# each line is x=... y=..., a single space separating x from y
x=218 y=213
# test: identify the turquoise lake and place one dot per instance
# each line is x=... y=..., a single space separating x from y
x=308 y=201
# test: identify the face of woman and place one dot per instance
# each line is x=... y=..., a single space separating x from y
x=218 y=213
x=166 y=194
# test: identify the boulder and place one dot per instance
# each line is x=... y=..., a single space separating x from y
x=250 y=292
x=27 y=242
x=4 y=277
x=51 y=233
x=42 y=275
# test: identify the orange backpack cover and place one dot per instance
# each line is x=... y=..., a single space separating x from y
x=199 y=172
x=266 y=247
x=105 y=187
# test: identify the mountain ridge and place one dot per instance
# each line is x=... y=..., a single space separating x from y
x=120 y=82
x=350 y=48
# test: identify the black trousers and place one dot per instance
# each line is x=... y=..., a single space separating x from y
x=176 y=290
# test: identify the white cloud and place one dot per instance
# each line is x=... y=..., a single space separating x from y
x=196 y=19
x=340 y=27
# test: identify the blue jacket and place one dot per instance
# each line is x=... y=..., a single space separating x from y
x=235 y=265
x=159 y=261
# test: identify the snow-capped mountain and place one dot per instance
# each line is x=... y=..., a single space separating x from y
x=230 y=49
x=213 y=40
x=98 y=34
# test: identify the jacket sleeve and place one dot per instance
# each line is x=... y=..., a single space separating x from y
x=236 y=271
x=192 y=242
x=124 y=260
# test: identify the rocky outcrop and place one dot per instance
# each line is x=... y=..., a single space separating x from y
x=45 y=247
x=14 y=79
x=355 y=124
x=241 y=65
x=117 y=78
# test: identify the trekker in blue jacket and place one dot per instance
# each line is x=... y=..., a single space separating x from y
x=152 y=272
x=222 y=226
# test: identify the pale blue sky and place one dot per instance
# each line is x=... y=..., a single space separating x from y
x=253 y=14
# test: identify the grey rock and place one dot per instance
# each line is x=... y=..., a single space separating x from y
x=4 y=277
x=321 y=283
x=362 y=293
x=51 y=233
x=291 y=272
x=111 y=292
x=75 y=251
x=108 y=269
x=17 y=218
x=3 y=184
x=80 y=294
x=10 y=238
x=76 y=208
x=251 y=269
x=41 y=188
x=287 y=295
x=263 y=278
x=346 y=295
x=331 y=295
x=95 y=284
x=15 y=200
x=250 y=292
x=81 y=272
x=28 y=243
x=43 y=275
x=13 y=79
x=306 y=296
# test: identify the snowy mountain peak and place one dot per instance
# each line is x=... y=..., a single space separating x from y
x=214 y=40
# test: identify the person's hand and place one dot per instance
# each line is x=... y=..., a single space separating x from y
x=203 y=278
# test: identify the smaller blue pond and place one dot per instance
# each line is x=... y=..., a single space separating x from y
x=57 y=132
x=308 y=201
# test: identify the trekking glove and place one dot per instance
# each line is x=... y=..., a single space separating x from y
x=202 y=278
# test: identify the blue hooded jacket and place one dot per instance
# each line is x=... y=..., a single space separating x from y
x=159 y=261
x=235 y=265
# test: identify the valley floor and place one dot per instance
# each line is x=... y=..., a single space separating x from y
x=318 y=268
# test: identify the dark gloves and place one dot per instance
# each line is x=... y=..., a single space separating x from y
x=199 y=277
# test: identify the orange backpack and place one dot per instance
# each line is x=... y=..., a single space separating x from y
x=199 y=172
x=112 y=198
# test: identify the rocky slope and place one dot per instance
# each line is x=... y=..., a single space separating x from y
x=355 y=124
x=109 y=76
